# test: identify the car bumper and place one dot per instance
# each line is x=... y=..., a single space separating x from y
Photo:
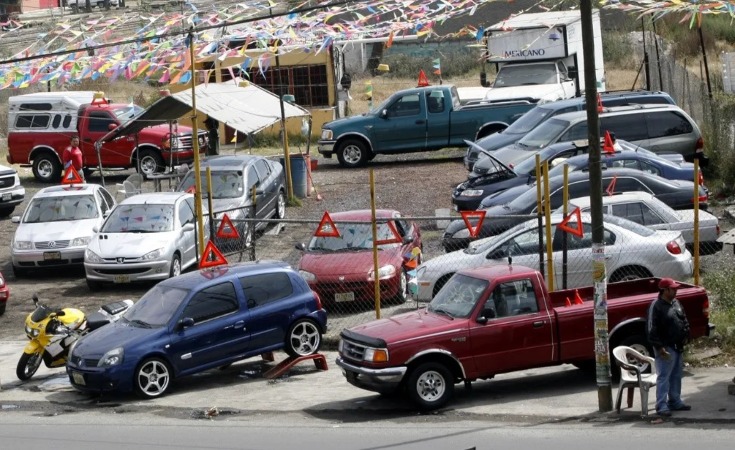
x=100 y=379
x=462 y=203
x=351 y=290
x=128 y=272
x=326 y=148
x=376 y=380
x=48 y=258
x=12 y=197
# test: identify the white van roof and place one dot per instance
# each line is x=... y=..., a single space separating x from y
x=76 y=98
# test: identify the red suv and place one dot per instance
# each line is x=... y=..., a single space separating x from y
x=341 y=269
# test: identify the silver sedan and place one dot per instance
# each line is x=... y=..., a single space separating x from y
x=147 y=237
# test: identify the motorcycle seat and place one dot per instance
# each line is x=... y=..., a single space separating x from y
x=96 y=320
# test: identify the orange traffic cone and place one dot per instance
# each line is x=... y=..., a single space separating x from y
x=423 y=81
x=577 y=298
x=599 y=103
x=568 y=303
x=608 y=146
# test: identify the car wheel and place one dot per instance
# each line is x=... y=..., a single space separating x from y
x=430 y=386
x=28 y=365
x=637 y=342
x=175 y=266
x=281 y=206
x=6 y=211
x=152 y=378
x=2 y=308
x=47 y=168
x=353 y=153
x=93 y=285
x=402 y=294
x=304 y=338
x=629 y=273
x=150 y=162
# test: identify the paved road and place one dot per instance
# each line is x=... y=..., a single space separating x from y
x=542 y=395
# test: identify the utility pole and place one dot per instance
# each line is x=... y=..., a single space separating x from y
x=599 y=274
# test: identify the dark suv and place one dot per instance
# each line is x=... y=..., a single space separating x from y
x=541 y=113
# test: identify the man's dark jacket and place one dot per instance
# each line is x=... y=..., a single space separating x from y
x=667 y=324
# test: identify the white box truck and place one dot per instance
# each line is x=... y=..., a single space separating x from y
x=539 y=58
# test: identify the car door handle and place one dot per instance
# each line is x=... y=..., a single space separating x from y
x=420 y=122
x=238 y=324
x=539 y=323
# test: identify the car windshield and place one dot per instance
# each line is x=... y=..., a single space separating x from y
x=354 y=236
x=145 y=218
x=458 y=297
x=628 y=225
x=225 y=183
x=127 y=112
x=530 y=120
x=544 y=134
x=526 y=74
x=483 y=245
x=56 y=209
x=156 y=307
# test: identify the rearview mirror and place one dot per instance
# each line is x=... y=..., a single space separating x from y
x=301 y=246
x=15 y=219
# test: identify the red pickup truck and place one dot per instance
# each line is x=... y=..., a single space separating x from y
x=493 y=320
x=40 y=126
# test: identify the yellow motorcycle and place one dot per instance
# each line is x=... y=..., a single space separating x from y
x=52 y=333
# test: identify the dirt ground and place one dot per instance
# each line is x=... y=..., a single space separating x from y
x=415 y=184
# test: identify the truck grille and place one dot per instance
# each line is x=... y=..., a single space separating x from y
x=7 y=181
x=53 y=245
x=185 y=141
x=353 y=350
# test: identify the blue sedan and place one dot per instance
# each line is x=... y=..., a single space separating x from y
x=198 y=321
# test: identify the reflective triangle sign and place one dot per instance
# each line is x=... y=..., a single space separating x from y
x=396 y=239
x=211 y=257
x=227 y=229
x=423 y=81
x=564 y=225
x=326 y=227
x=611 y=187
x=71 y=176
x=607 y=145
x=479 y=215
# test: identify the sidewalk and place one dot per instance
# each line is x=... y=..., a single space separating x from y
x=550 y=394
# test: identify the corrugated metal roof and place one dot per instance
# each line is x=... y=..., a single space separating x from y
x=247 y=109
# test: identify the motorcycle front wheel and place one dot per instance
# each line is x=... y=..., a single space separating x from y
x=28 y=365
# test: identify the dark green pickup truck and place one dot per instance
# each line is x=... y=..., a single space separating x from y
x=415 y=120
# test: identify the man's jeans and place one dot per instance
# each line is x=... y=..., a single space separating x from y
x=668 y=381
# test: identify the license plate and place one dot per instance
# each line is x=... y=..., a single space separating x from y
x=7 y=197
x=121 y=279
x=344 y=297
x=78 y=378
x=51 y=256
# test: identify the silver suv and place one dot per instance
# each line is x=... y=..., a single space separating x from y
x=11 y=192
x=659 y=128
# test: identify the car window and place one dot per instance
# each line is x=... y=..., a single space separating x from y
x=157 y=306
x=211 y=302
x=626 y=163
x=629 y=127
x=637 y=212
x=407 y=105
x=526 y=243
x=512 y=299
x=544 y=134
x=108 y=198
x=435 y=101
x=263 y=168
x=186 y=215
x=32 y=121
x=55 y=209
x=650 y=168
x=225 y=183
x=99 y=121
x=667 y=123
x=575 y=132
x=403 y=227
x=102 y=201
x=575 y=242
x=252 y=179
x=626 y=184
x=147 y=218
x=266 y=288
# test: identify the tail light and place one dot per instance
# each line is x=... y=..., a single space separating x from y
x=703 y=198
x=701 y=178
x=673 y=248
x=318 y=300
x=699 y=147
x=705 y=309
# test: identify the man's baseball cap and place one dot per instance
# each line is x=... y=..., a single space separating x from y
x=668 y=283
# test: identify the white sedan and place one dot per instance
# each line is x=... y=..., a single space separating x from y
x=57 y=225
x=631 y=251
x=645 y=209
x=147 y=237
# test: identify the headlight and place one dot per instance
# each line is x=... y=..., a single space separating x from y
x=23 y=245
x=383 y=273
x=112 y=358
x=308 y=276
x=340 y=346
x=463 y=233
x=32 y=332
x=150 y=256
x=473 y=193
x=80 y=241
x=376 y=355
x=92 y=257
x=327 y=134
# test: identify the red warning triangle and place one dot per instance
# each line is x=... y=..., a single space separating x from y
x=611 y=187
x=192 y=189
x=479 y=215
x=578 y=298
x=71 y=176
x=564 y=224
x=326 y=227
x=599 y=103
x=227 y=229
x=608 y=146
x=423 y=81
x=211 y=257
x=396 y=239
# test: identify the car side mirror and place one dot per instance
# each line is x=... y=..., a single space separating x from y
x=384 y=114
x=407 y=239
x=186 y=322
x=498 y=253
x=111 y=126
x=301 y=246
x=487 y=314
x=95 y=229
x=188 y=227
x=15 y=219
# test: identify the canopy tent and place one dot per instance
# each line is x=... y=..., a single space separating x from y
x=245 y=108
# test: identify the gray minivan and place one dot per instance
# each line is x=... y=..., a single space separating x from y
x=658 y=128
x=542 y=112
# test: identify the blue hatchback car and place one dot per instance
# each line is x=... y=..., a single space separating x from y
x=198 y=321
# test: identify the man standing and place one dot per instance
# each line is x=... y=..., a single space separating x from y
x=668 y=331
x=72 y=156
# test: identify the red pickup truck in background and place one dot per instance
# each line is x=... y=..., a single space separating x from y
x=40 y=126
x=494 y=320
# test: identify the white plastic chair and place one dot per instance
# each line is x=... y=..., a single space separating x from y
x=132 y=185
x=632 y=364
